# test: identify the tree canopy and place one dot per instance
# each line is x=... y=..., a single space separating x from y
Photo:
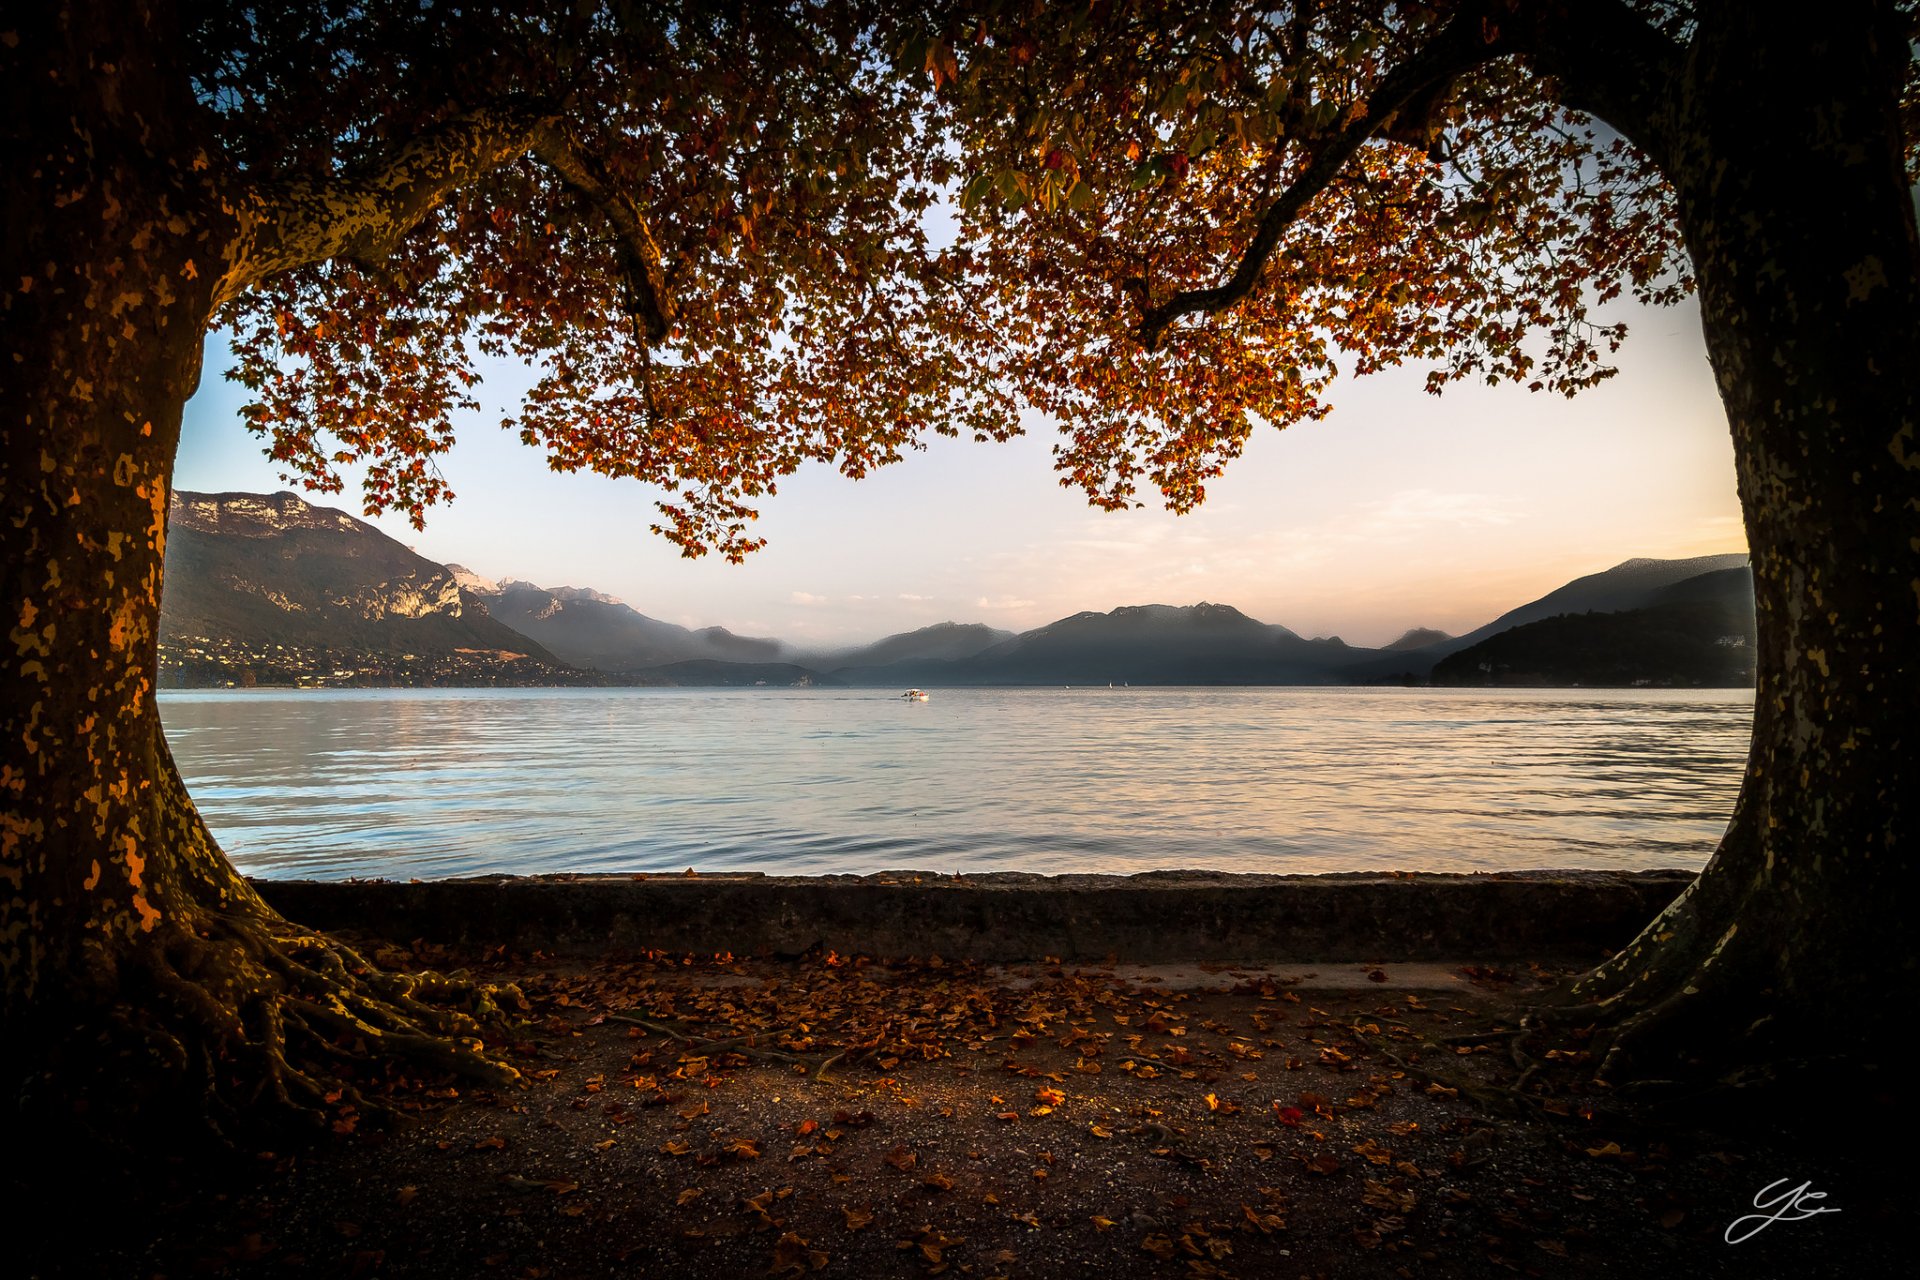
x=744 y=240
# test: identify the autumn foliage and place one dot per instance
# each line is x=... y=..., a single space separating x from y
x=876 y=223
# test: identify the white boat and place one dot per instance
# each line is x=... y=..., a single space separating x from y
x=915 y=695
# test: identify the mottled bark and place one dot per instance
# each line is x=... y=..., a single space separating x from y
x=363 y=212
x=134 y=960
x=106 y=303
x=1784 y=147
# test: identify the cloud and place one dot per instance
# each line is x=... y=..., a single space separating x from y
x=808 y=598
x=909 y=596
x=1411 y=512
x=1001 y=605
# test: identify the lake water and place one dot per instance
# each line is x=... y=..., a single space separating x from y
x=452 y=782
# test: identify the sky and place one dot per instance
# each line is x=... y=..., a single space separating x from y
x=1400 y=509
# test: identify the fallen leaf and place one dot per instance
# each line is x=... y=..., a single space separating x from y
x=1265 y=1223
x=792 y=1256
x=559 y=1186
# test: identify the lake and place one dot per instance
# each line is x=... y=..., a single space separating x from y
x=452 y=782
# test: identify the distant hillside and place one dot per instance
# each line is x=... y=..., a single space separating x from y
x=1699 y=631
x=1631 y=584
x=590 y=629
x=1140 y=644
x=1417 y=638
x=941 y=642
x=272 y=589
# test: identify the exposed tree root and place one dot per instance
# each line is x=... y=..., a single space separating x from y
x=243 y=1026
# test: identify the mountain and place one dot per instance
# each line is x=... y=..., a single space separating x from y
x=1417 y=638
x=941 y=642
x=473 y=582
x=590 y=629
x=270 y=588
x=1697 y=631
x=1631 y=584
x=1140 y=644
x=1666 y=645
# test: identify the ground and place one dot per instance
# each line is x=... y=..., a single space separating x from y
x=707 y=1117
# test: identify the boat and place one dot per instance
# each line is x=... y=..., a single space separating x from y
x=915 y=695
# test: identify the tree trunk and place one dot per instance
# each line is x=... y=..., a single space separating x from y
x=134 y=959
x=1784 y=149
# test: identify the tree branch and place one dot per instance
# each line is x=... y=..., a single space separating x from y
x=1465 y=43
x=649 y=298
x=362 y=213
x=1611 y=63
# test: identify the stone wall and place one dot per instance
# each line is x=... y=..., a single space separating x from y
x=1159 y=917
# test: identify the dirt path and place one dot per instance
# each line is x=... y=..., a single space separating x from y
x=852 y=1120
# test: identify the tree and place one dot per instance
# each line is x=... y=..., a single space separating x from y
x=710 y=230
x=1185 y=208
x=706 y=224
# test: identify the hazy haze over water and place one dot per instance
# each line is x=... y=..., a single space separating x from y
x=436 y=783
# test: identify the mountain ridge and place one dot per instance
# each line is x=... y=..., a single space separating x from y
x=318 y=574
x=269 y=588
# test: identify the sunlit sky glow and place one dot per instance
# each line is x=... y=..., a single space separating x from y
x=1401 y=509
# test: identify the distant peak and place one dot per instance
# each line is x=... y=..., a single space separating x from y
x=1724 y=560
x=1419 y=638
x=583 y=593
x=256 y=514
x=471 y=581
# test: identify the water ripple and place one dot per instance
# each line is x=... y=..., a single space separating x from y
x=427 y=783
